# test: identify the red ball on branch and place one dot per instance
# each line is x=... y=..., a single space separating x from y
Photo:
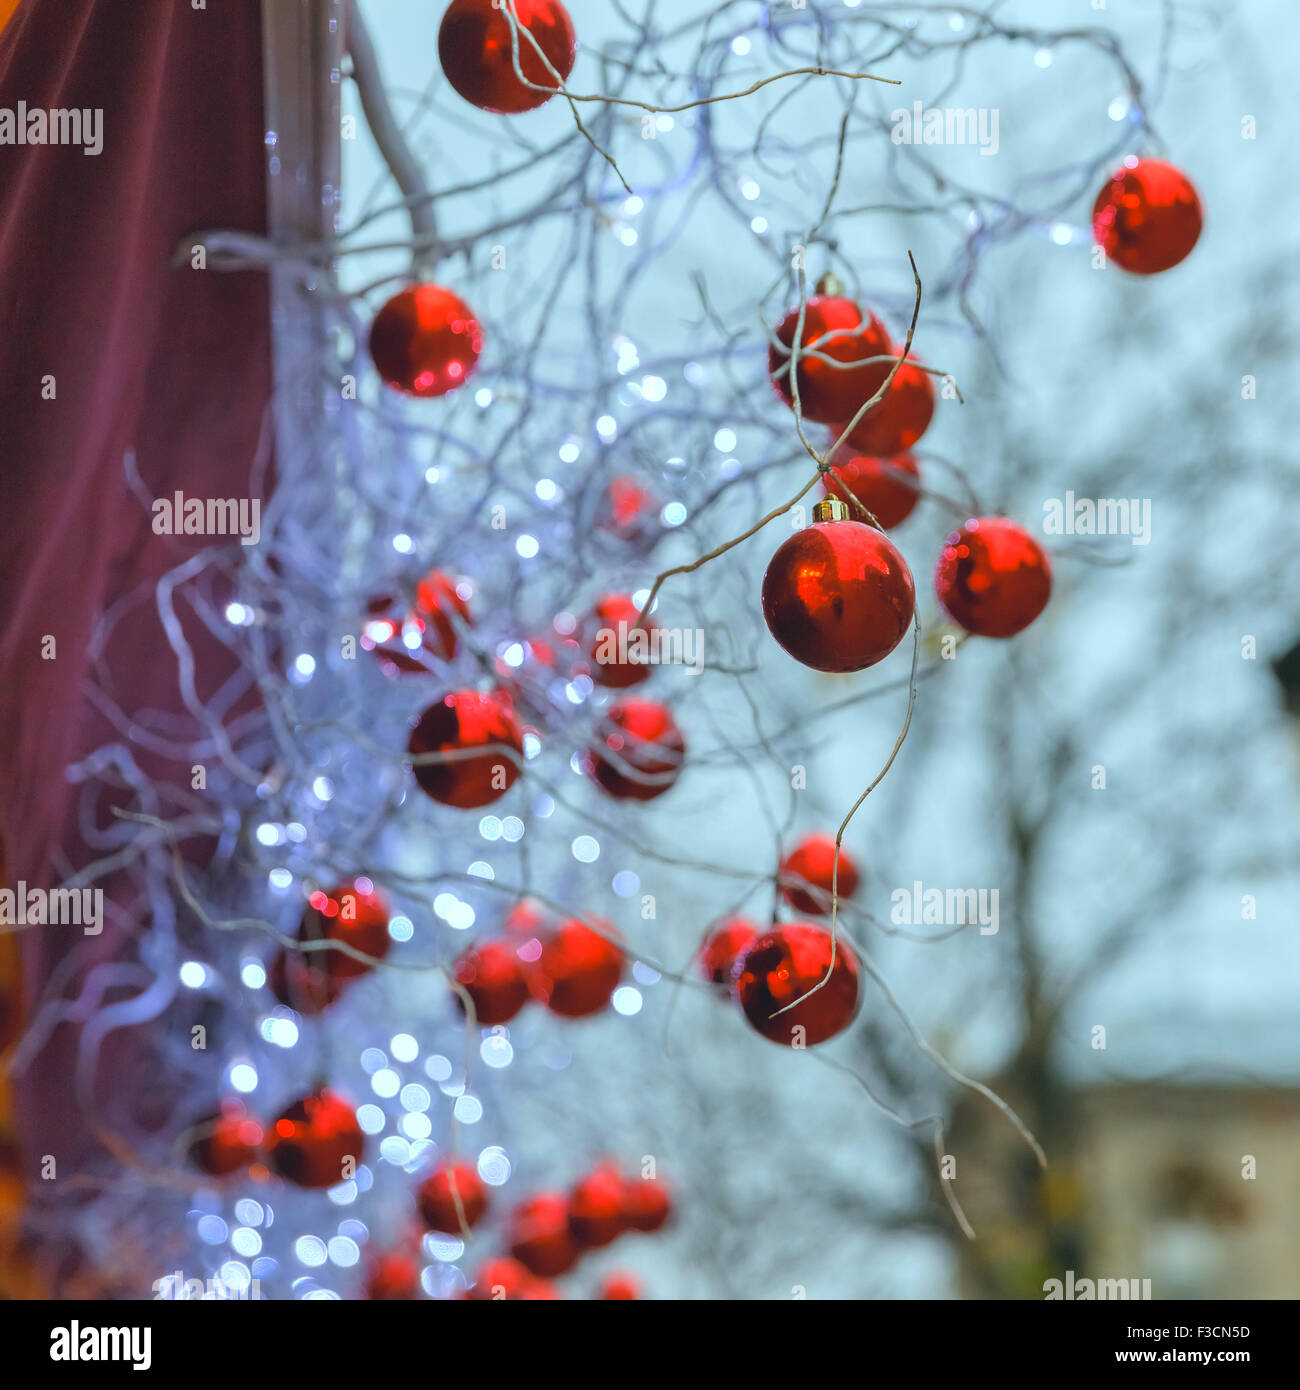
x=505 y=1280
x=1147 y=217
x=227 y=1142
x=440 y=1191
x=993 y=577
x=647 y=1203
x=392 y=1276
x=477 y=49
x=640 y=753
x=901 y=417
x=807 y=872
x=354 y=913
x=837 y=595
x=404 y=638
x=615 y=643
x=782 y=967
x=494 y=977
x=539 y=1237
x=718 y=954
x=302 y=984
x=458 y=724
x=834 y=328
x=597 y=1207
x=619 y=1286
x=887 y=487
x=315 y=1140
x=425 y=341
x=577 y=971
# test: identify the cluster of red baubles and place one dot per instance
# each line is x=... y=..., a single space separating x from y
x=566 y=966
x=316 y=1142
x=794 y=961
x=354 y=914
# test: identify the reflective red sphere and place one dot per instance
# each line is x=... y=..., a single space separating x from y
x=302 y=984
x=458 y=724
x=647 y=1203
x=439 y=1192
x=539 y=1237
x=615 y=645
x=807 y=871
x=828 y=393
x=355 y=913
x=392 y=1276
x=640 y=753
x=506 y=1280
x=425 y=341
x=596 y=1207
x=783 y=966
x=1148 y=217
x=719 y=952
x=838 y=596
x=886 y=487
x=898 y=420
x=577 y=971
x=227 y=1142
x=401 y=637
x=619 y=1286
x=477 y=51
x=493 y=976
x=993 y=577
x=312 y=1140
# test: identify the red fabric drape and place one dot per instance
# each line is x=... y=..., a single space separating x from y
x=170 y=362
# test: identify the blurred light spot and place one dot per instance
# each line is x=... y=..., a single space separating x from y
x=402 y=543
x=625 y=883
x=401 y=928
x=437 y=1068
x=404 y=1047
x=512 y=829
x=344 y=1252
x=494 y=1166
x=243 y=1077
x=385 y=1083
x=212 y=1230
x=547 y=491
x=586 y=849
x=496 y=1051
x=244 y=1241
x=527 y=546
x=371 y=1119
x=372 y=1059
x=645 y=974
x=468 y=1110
x=253 y=974
x=724 y=441
x=395 y=1150
x=193 y=975
x=673 y=514
x=627 y=1000
x=607 y=427
x=311 y=1251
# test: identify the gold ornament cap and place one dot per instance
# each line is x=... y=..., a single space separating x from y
x=830 y=509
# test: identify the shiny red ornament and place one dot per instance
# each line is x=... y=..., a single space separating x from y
x=425 y=341
x=1148 y=217
x=528 y=919
x=506 y=1280
x=477 y=51
x=577 y=971
x=597 y=1207
x=993 y=577
x=430 y=622
x=838 y=596
x=313 y=1138
x=619 y=1287
x=783 y=966
x=457 y=724
x=629 y=508
x=392 y=1276
x=723 y=945
x=887 y=487
x=494 y=977
x=616 y=645
x=806 y=874
x=302 y=984
x=828 y=393
x=898 y=420
x=641 y=751
x=539 y=1237
x=438 y=1194
x=227 y=1142
x=647 y=1204
x=355 y=913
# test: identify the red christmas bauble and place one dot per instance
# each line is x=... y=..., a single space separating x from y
x=619 y=1286
x=647 y=1203
x=838 y=596
x=506 y=1280
x=629 y=508
x=828 y=393
x=783 y=966
x=310 y=1141
x=723 y=945
x=393 y=1276
x=641 y=751
x=993 y=577
x=886 y=487
x=457 y=724
x=400 y=638
x=438 y=1195
x=806 y=874
x=596 y=1207
x=898 y=420
x=227 y=1142
x=303 y=984
x=528 y=919
x=1148 y=217
x=494 y=978
x=539 y=1237
x=578 y=971
x=354 y=913
x=425 y=341
x=477 y=51
x=614 y=642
